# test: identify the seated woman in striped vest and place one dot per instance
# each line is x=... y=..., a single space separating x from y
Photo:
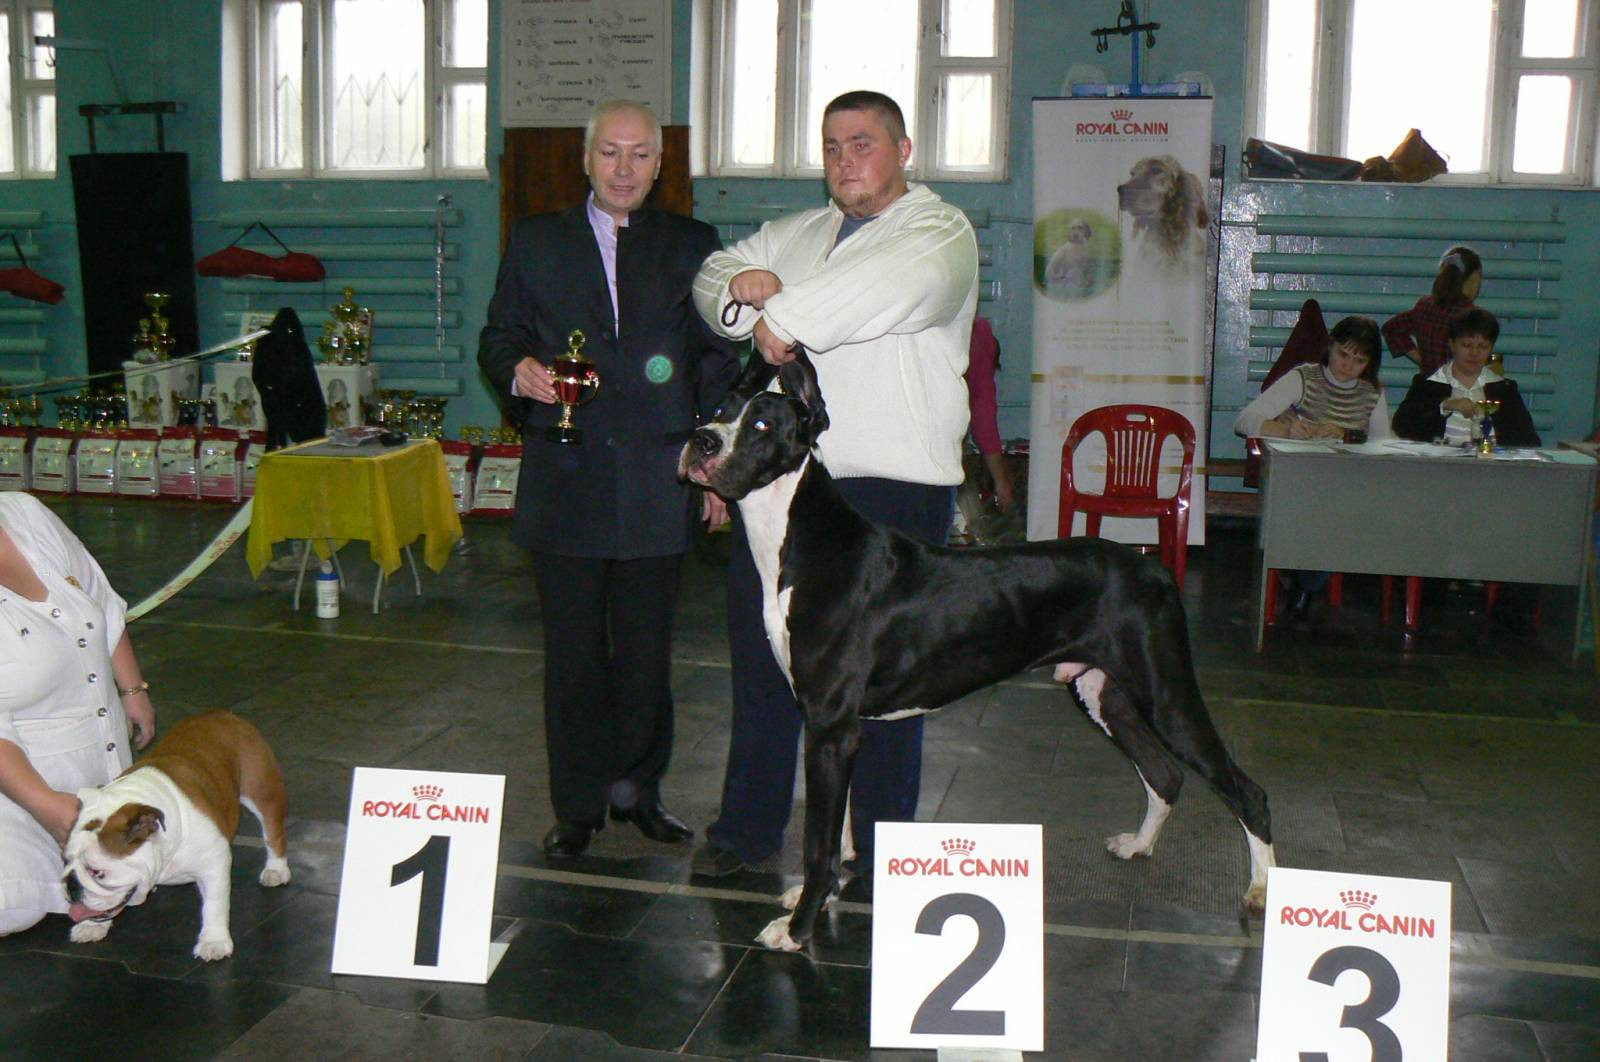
x=1341 y=395
x=1337 y=399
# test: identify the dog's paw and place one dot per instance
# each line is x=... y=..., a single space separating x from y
x=89 y=932
x=776 y=936
x=791 y=898
x=210 y=950
x=1255 y=899
x=1128 y=845
x=275 y=873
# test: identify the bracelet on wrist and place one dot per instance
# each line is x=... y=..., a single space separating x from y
x=143 y=687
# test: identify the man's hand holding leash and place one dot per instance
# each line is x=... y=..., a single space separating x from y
x=754 y=287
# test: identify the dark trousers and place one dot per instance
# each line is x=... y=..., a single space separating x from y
x=607 y=671
x=758 y=786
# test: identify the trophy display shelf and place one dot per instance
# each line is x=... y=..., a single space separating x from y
x=155 y=389
x=346 y=390
x=238 y=402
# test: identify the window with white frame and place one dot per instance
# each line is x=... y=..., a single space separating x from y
x=1504 y=89
x=359 y=88
x=28 y=111
x=769 y=67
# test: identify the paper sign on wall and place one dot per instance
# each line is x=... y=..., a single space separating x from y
x=417 y=892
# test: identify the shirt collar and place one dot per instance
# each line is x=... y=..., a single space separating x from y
x=600 y=219
x=1442 y=375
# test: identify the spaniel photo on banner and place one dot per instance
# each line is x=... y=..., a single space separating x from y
x=1120 y=240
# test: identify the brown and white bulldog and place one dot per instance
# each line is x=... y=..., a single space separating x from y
x=169 y=820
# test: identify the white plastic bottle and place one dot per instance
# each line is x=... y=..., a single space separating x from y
x=327 y=592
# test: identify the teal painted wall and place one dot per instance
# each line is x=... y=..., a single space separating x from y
x=170 y=50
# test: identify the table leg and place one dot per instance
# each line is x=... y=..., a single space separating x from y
x=1263 y=589
x=415 y=576
x=300 y=573
x=377 y=591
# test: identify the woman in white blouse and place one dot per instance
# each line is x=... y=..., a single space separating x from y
x=70 y=687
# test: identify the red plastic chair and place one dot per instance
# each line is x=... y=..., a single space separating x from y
x=1134 y=436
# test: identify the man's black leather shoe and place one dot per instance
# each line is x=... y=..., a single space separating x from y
x=654 y=821
x=570 y=838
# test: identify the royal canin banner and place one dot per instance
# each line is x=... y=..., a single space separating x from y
x=1121 y=238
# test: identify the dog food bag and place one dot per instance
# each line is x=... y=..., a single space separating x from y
x=495 y=490
x=138 y=474
x=96 y=460
x=219 y=471
x=52 y=461
x=14 y=459
x=458 y=464
x=177 y=464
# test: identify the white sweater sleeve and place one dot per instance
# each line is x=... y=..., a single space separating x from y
x=1285 y=391
x=759 y=250
x=902 y=279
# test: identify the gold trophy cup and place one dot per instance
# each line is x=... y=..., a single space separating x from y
x=1487 y=408
x=576 y=382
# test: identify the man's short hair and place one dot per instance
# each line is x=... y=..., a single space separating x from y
x=887 y=110
x=1474 y=322
x=609 y=107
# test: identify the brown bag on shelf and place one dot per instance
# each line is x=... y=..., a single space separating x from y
x=1415 y=160
x=1377 y=168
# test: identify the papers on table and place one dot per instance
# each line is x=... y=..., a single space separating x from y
x=1303 y=446
x=1405 y=447
x=1421 y=449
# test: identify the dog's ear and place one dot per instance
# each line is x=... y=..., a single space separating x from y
x=129 y=827
x=799 y=380
x=755 y=376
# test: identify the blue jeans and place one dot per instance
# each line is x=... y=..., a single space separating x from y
x=758 y=786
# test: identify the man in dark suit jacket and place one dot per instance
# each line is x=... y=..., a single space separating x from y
x=606 y=518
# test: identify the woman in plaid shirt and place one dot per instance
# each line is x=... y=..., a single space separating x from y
x=1422 y=333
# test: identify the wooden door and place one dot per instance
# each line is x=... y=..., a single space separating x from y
x=542 y=170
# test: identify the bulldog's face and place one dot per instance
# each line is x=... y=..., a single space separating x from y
x=111 y=853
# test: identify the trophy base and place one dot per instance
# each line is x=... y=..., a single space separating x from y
x=564 y=436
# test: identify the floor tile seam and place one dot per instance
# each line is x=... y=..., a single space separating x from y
x=1148 y=936
x=1409 y=713
x=513 y=650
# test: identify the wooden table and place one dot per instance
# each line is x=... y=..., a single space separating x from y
x=1378 y=510
x=327 y=495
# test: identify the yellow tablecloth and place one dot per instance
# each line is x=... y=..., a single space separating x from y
x=387 y=496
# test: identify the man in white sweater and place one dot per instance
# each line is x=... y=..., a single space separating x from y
x=880 y=286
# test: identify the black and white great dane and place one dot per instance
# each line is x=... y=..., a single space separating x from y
x=868 y=623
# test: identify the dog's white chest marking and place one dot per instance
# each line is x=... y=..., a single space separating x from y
x=766 y=525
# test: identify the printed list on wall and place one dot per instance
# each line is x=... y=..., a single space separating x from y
x=561 y=57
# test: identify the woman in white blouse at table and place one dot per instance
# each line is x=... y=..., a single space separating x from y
x=1325 y=401
x=70 y=687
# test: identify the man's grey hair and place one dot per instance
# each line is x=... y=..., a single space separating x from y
x=610 y=107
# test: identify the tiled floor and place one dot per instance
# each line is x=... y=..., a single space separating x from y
x=1473 y=759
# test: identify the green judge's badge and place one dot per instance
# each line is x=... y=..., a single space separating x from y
x=658 y=370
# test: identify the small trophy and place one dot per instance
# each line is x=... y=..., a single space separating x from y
x=1487 y=408
x=576 y=382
